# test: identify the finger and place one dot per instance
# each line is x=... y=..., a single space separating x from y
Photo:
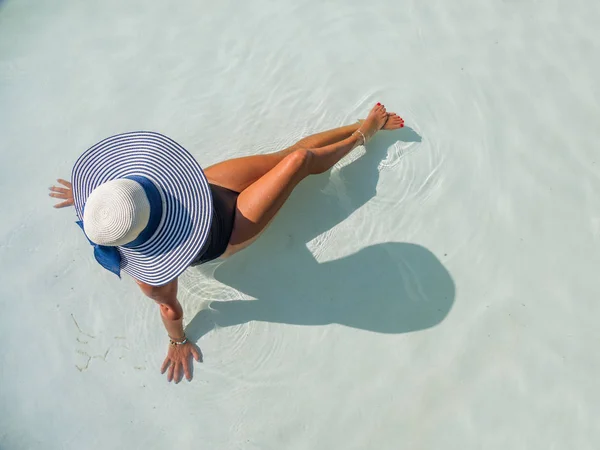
x=63 y=204
x=165 y=364
x=186 y=369
x=59 y=189
x=170 y=372
x=65 y=183
x=178 y=372
x=197 y=354
x=55 y=195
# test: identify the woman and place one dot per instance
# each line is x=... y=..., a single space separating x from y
x=148 y=208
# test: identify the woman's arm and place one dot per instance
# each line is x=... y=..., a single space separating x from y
x=171 y=313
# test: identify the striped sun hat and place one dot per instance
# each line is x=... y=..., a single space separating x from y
x=144 y=204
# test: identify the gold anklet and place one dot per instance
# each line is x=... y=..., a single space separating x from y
x=363 y=137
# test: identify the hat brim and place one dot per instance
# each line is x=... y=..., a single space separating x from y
x=187 y=199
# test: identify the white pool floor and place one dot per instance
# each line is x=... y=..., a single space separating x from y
x=436 y=291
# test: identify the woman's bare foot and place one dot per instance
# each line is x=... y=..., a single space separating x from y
x=379 y=119
x=394 y=122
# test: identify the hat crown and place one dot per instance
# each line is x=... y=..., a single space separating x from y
x=116 y=212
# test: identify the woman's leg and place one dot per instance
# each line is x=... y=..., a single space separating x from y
x=258 y=204
x=239 y=173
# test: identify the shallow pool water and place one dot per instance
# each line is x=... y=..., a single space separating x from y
x=436 y=290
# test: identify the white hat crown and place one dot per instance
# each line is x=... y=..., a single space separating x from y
x=116 y=212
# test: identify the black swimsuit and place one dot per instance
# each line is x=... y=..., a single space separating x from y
x=224 y=203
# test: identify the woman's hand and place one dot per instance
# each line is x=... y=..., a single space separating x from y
x=65 y=193
x=178 y=361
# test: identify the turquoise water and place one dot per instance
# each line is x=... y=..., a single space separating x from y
x=436 y=290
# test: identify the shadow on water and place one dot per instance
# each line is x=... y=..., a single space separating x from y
x=391 y=287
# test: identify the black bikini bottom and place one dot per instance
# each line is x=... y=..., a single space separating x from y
x=224 y=203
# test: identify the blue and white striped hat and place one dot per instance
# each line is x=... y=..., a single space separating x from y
x=148 y=206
